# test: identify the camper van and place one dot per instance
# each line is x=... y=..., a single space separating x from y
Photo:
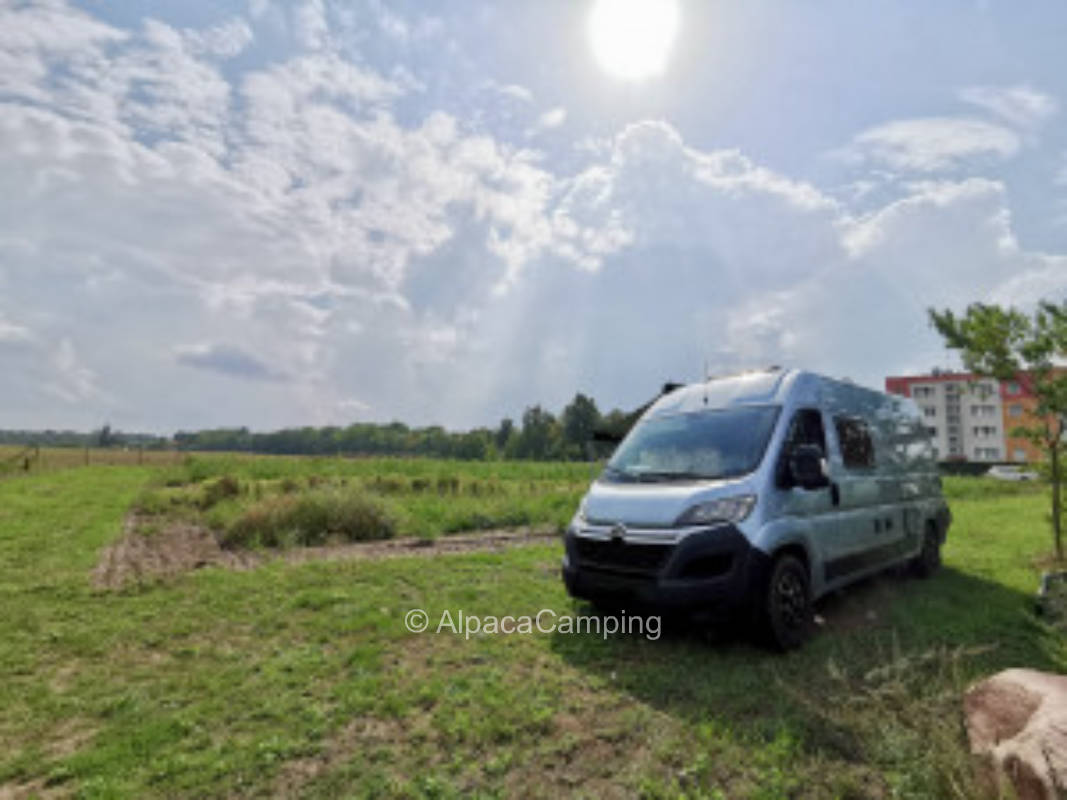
x=750 y=496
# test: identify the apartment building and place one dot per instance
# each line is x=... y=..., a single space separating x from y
x=971 y=417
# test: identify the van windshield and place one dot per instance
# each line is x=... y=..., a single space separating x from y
x=718 y=443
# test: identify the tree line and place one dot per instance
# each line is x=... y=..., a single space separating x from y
x=538 y=435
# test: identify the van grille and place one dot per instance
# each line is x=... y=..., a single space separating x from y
x=622 y=556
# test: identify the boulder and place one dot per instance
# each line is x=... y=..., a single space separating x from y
x=1017 y=726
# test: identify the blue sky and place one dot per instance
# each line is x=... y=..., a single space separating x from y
x=272 y=214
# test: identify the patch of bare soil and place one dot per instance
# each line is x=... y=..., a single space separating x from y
x=494 y=541
x=38 y=790
x=172 y=548
x=861 y=606
x=168 y=550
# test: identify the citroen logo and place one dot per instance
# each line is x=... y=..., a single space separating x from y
x=618 y=532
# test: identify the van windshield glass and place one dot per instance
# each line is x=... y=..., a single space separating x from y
x=720 y=443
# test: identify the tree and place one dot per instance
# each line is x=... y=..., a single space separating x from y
x=579 y=419
x=105 y=437
x=536 y=439
x=1005 y=344
x=504 y=433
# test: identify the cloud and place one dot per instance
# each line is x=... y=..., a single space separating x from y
x=510 y=90
x=309 y=24
x=71 y=380
x=227 y=360
x=552 y=118
x=11 y=333
x=935 y=144
x=1020 y=106
x=225 y=40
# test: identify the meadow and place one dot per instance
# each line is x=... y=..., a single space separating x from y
x=300 y=679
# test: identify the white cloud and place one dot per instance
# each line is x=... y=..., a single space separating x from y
x=1021 y=106
x=309 y=24
x=552 y=118
x=511 y=90
x=71 y=380
x=225 y=40
x=936 y=144
x=11 y=332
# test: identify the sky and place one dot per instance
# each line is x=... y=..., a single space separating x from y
x=317 y=213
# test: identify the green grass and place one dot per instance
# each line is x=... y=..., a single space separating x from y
x=251 y=501
x=302 y=680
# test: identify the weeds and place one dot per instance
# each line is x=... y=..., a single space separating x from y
x=315 y=517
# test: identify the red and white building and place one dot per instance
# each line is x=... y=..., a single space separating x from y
x=972 y=417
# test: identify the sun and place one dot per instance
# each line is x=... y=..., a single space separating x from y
x=631 y=39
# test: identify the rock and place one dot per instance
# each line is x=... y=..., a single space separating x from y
x=1017 y=726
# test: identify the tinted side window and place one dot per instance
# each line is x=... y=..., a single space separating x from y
x=857 y=449
x=805 y=428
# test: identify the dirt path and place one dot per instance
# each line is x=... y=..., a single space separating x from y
x=176 y=548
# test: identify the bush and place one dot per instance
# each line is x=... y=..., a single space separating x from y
x=218 y=490
x=311 y=518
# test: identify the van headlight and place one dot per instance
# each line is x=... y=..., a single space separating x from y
x=579 y=515
x=725 y=509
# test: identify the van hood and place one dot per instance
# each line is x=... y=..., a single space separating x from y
x=653 y=505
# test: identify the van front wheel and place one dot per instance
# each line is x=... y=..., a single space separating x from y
x=787 y=603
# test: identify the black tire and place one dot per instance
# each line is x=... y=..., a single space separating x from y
x=787 y=604
x=929 y=559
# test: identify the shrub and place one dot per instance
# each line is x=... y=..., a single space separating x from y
x=151 y=503
x=218 y=490
x=311 y=518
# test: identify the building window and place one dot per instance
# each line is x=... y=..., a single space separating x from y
x=1015 y=410
x=984 y=430
x=922 y=391
x=1020 y=454
x=1012 y=387
x=930 y=411
x=987 y=452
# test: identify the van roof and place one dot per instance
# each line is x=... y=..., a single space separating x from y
x=757 y=387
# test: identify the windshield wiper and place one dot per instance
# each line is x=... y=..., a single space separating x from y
x=663 y=476
x=619 y=474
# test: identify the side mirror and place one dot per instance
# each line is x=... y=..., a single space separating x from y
x=805 y=467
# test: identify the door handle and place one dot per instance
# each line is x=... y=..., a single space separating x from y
x=835 y=494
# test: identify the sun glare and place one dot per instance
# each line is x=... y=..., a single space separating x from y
x=631 y=39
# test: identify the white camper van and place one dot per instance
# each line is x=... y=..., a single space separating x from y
x=755 y=494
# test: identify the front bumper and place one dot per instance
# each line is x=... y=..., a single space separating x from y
x=711 y=570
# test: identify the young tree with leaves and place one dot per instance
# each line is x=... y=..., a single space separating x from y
x=1003 y=343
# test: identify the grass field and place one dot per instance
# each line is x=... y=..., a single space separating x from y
x=301 y=679
x=15 y=459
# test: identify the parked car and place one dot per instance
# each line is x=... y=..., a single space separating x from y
x=1005 y=472
x=750 y=496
